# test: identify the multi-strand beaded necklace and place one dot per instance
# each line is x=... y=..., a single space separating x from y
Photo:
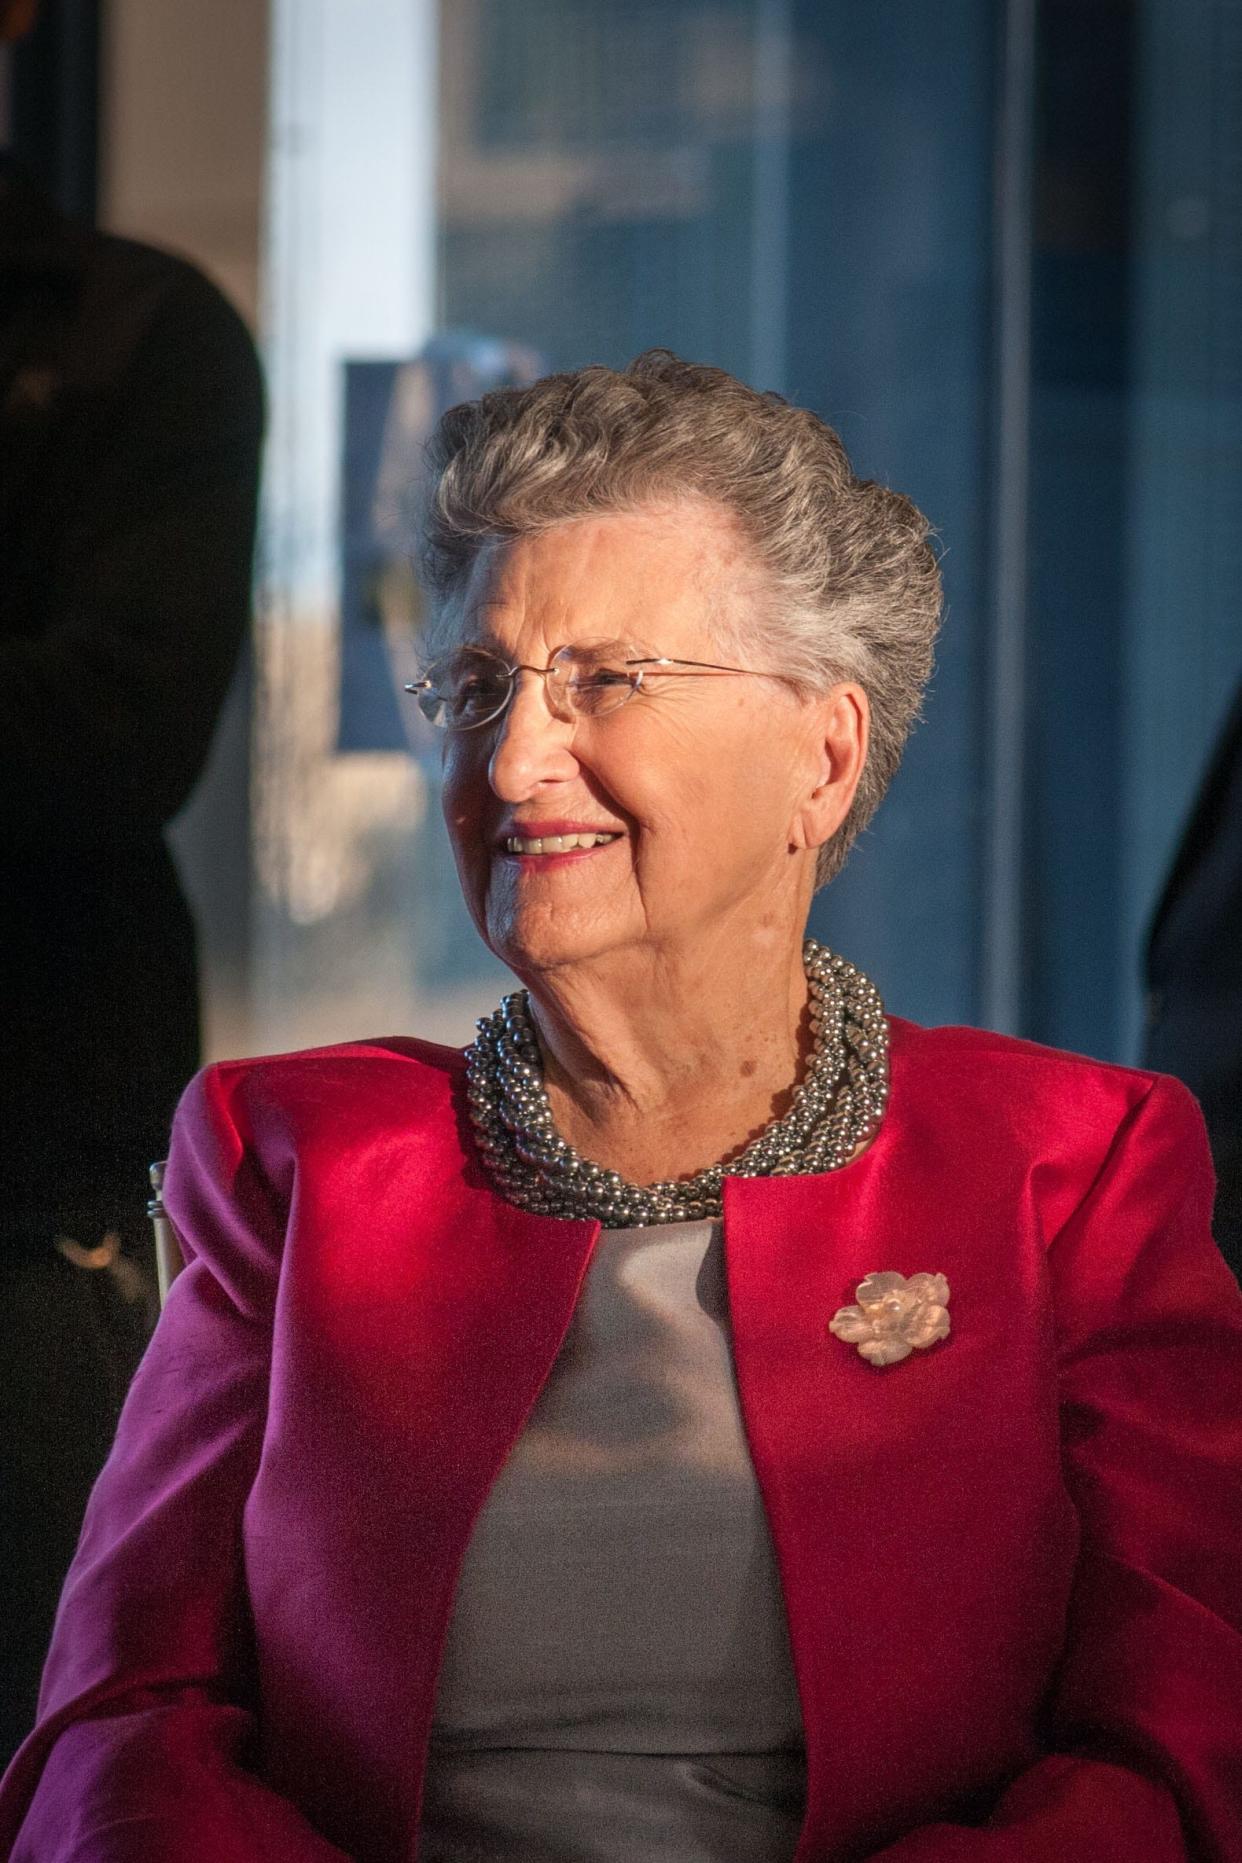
x=835 y=1108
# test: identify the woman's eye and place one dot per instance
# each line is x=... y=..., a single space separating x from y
x=598 y=678
x=478 y=690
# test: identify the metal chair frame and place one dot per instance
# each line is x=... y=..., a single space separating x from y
x=169 y=1261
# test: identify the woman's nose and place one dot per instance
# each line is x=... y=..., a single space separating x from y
x=532 y=745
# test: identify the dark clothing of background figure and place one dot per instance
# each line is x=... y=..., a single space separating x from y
x=1194 y=973
x=130 y=425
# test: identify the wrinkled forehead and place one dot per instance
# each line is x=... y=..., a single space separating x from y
x=659 y=581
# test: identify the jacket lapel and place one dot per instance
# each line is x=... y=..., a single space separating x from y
x=422 y=1337
x=484 y=1330
x=896 y=1494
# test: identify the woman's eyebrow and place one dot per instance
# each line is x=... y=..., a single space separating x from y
x=483 y=636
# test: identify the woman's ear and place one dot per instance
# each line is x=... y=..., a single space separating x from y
x=839 y=725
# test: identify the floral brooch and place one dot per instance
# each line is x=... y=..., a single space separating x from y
x=894 y=1316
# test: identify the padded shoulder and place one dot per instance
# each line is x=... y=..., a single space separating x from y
x=349 y=1086
x=986 y=1098
x=1008 y=1067
x=408 y=1050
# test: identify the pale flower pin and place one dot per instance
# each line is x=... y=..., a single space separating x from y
x=894 y=1317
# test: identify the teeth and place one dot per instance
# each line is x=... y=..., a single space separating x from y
x=555 y=843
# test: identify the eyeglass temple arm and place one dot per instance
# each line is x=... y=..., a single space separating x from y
x=708 y=666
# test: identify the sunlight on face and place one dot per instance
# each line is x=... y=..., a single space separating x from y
x=698 y=777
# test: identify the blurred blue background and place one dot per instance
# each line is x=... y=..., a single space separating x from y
x=1000 y=249
x=998 y=246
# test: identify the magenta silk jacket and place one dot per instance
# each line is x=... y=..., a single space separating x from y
x=1011 y=1563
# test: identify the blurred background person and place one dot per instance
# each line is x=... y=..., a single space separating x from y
x=1194 y=973
x=130 y=422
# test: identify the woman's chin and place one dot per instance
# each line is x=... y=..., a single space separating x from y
x=534 y=941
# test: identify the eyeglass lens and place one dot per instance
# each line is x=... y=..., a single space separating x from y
x=471 y=686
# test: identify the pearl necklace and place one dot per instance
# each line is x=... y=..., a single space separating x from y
x=838 y=1105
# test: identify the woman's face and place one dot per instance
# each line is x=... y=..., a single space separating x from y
x=702 y=779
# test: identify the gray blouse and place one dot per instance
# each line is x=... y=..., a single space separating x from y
x=617 y=1683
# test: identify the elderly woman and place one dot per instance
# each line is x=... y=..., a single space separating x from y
x=707 y=1421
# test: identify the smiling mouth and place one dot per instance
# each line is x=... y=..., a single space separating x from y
x=556 y=843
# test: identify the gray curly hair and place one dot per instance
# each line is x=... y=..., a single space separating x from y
x=849 y=579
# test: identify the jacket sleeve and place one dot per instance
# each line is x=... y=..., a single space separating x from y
x=1145 y=1719
x=145 y=1740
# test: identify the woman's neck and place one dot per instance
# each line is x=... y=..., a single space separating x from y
x=659 y=1065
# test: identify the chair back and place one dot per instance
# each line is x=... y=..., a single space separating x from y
x=169 y=1260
